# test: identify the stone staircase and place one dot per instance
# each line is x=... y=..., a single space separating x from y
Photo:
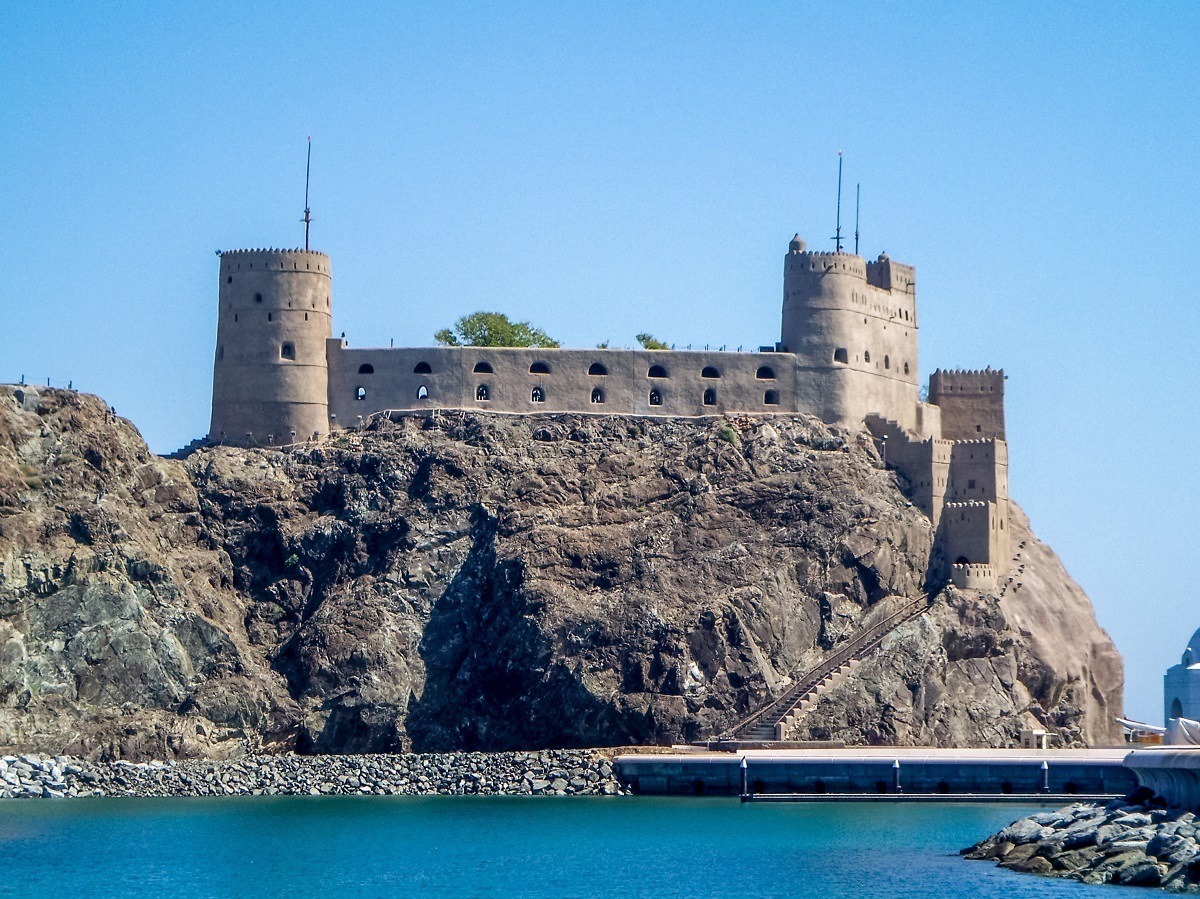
x=184 y=451
x=777 y=720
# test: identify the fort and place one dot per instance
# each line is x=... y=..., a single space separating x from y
x=847 y=354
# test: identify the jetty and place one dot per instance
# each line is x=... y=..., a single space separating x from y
x=883 y=774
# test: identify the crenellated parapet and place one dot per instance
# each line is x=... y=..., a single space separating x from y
x=974 y=576
x=972 y=402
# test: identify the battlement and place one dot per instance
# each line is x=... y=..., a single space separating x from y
x=961 y=380
x=263 y=250
x=973 y=504
x=972 y=402
x=288 y=260
x=973 y=576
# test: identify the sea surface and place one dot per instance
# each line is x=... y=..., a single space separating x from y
x=500 y=846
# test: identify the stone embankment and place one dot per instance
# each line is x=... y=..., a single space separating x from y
x=549 y=773
x=1121 y=842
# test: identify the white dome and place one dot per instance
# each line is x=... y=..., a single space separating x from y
x=1191 y=655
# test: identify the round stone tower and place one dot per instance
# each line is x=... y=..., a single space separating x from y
x=270 y=377
x=853 y=327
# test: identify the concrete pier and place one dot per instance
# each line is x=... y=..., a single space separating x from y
x=882 y=773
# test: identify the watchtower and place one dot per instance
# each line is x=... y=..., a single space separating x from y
x=972 y=403
x=270 y=376
x=853 y=327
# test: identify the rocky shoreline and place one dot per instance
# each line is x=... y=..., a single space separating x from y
x=546 y=773
x=1123 y=842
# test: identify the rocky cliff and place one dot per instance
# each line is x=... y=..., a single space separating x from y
x=466 y=582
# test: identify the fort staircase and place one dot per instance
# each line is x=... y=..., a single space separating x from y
x=776 y=720
x=184 y=451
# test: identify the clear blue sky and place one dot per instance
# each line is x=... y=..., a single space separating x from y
x=604 y=169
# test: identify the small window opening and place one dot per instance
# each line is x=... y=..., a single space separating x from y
x=906 y=368
x=483 y=368
x=656 y=371
x=287 y=351
x=539 y=368
x=229 y=279
x=269 y=317
x=771 y=398
x=866 y=355
x=306 y=316
x=710 y=372
x=971 y=484
x=422 y=368
x=710 y=397
x=597 y=369
x=482 y=393
x=366 y=369
x=258 y=298
x=765 y=373
x=220 y=352
x=422 y=392
x=655 y=398
x=840 y=355
x=887 y=362
x=597 y=396
x=360 y=393
x=235 y=316
x=537 y=395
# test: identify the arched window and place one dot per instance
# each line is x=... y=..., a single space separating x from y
x=887 y=362
x=597 y=396
x=482 y=393
x=366 y=369
x=765 y=373
x=360 y=393
x=866 y=355
x=597 y=369
x=483 y=368
x=422 y=368
x=710 y=397
x=539 y=368
x=538 y=395
x=656 y=371
x=840 y=355
x=655 y=398
x=422 y=392
x=287 y=351
x=771 y=398
x=710 y=372
x=962 y=560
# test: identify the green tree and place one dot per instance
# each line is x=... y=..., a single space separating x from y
x=493 y=329
x=649 y=342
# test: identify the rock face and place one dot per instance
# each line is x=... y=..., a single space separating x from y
x=464 y=582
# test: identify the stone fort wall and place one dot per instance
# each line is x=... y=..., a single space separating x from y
x=602 y=381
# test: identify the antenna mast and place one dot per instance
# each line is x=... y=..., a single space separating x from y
x=307 y=211
x=837 y=234
x=857 y=194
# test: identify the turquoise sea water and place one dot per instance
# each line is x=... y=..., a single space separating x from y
x=464 y=846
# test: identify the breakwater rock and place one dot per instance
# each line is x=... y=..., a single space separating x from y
x=547 y=773
x=1121 y=842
